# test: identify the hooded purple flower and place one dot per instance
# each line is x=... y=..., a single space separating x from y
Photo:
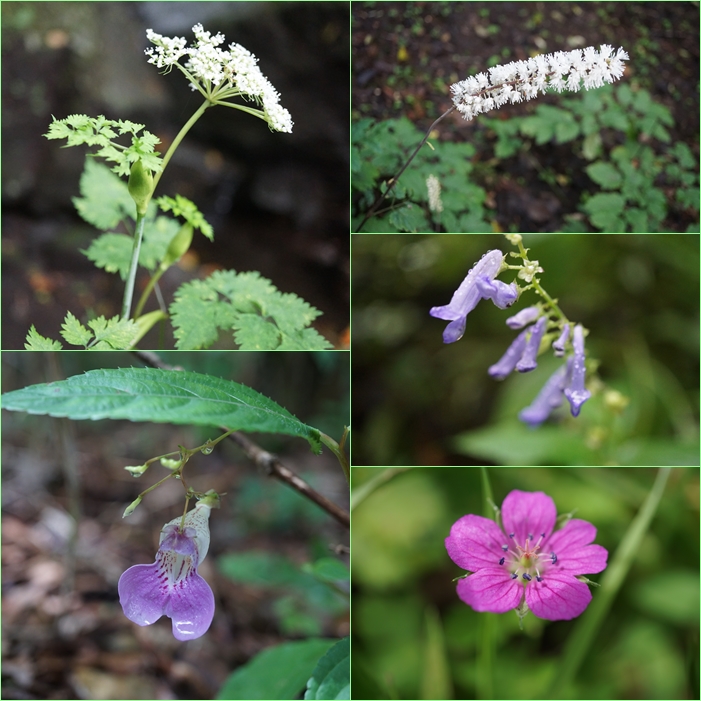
x=529 y=561
x=171 y=585
x=576 y=393
x=478 y=284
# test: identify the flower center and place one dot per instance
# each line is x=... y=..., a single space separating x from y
x=525 y=561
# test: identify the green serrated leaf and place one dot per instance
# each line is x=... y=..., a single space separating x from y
x=182 y=207
x=146 y=394
x=112 y=252
x=74 y=332
x=114 y=333
x=331 y=676
x=105 y=199
x=37 y=342
x=261 y=316
x=278 y=672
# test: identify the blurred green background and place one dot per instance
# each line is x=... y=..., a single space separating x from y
x=417 y=401
x=414 y=639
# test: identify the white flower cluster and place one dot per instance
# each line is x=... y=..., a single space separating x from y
x=523 y=80
x=219 y=74
x=433 y=185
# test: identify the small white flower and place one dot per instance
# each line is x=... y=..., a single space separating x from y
x=220 y=74
x=434 y=194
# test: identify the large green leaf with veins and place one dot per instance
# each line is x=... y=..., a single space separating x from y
x=163 y=396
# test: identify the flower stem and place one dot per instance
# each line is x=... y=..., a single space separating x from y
x=181 y=135
x=147 y=291
x=131 y=275
x=393 y=181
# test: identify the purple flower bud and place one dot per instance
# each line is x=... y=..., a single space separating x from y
x=465 y=298
x=576 y=393
x=549 y=397
x=528 y=359
x=499 y=292
x=522 y=318
x=559 y=345
x=508 y=361
x=171 y=585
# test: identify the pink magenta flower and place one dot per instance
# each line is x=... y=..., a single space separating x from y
x=171 y=585
x=528 y=561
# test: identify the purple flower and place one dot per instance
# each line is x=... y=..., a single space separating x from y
x=576 y=393
x=559 y=344
x=171 y=585
x=549 y=398
x=508 y=361
x=530 y=353
x=524 y=317
x=478 y=284
x=528 y=561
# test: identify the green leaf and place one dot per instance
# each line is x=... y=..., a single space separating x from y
x=36 y=341
x=278 y=672
x=74 y=332
x=409 y=218
x=604 y=174
x=331 y=676
x=261 y=317
x=328 y=569
x=113 y=251
x=114 y=334
x=145 y=394
x=182 y=207
x=604 y=210
x=105 y=199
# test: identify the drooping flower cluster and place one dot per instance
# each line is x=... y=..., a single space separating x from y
x=528 y=563
x=171 y=586
x=538 y=327
x=478 y=284
x=523 y=80
x=219 y=74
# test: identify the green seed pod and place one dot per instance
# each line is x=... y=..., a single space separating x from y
x=140 y=186
x=178 y=246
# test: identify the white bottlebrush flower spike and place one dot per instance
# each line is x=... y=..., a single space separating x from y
x=433 y=185
x=523 y=80
x=220 y=74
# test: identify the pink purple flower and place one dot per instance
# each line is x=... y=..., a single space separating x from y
x=528 y=562
x=478 y=284
x=171 y=586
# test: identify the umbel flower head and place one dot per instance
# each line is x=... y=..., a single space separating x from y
x=528 y=563
x=220 y=74
x=523 y=80
x=171 y=586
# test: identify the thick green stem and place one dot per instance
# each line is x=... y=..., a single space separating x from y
x=181 y=135
x=131 y=276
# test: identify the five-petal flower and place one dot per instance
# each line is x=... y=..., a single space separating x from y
x=171 y=586
x=528 y=561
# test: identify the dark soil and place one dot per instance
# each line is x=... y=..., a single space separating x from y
x=406 y=55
